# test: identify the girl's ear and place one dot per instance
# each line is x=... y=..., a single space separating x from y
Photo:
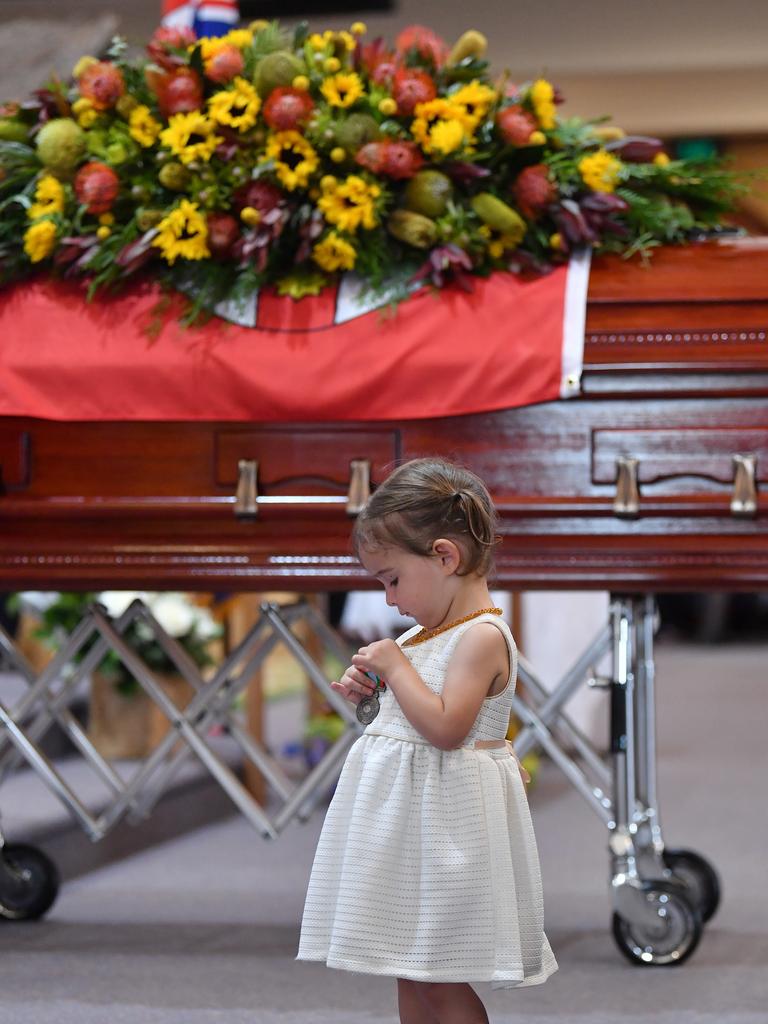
x=448 y=552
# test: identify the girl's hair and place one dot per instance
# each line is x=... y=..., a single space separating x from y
x=429 y=498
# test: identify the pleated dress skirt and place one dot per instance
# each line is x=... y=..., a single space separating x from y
x=427 y=868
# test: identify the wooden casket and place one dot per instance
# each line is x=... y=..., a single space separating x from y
x=653 y=478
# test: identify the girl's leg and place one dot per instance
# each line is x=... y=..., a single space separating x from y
x=412 y=1008
x=452 y=1003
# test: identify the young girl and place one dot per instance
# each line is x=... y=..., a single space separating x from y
x=427 y=868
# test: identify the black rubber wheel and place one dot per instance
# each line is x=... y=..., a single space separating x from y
x=672 y=939
x=29 y=882
x=699 y=876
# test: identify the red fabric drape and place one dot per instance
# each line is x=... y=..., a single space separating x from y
x=440 y=354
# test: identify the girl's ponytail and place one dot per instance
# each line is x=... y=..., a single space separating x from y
x=429 y=498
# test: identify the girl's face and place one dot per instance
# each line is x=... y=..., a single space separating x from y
x=419 y=586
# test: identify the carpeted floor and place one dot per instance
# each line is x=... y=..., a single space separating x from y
x=204 y=929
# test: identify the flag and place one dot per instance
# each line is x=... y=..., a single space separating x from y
x=324 y=358
x=206 y=17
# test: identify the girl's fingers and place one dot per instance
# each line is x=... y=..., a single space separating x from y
x=359 y=681
x=347 y=692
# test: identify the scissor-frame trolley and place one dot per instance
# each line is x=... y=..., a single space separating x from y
x=661 y=898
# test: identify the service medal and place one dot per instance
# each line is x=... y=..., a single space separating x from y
x=368 y=708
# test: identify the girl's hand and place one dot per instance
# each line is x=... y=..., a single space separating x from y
x=382 y=658
x=354 y=685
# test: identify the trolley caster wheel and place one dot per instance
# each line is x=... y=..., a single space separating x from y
x=29 y=882
x=668 y=942
x=699 y=876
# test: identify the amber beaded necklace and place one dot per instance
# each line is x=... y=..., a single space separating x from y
x=427 y=634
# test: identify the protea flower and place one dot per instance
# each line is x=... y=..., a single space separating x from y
x=223 y=232
x=427 y=44
x=516 y=125
x=102 y=83
x=225 y=64
x=287 y=108
x=411 y=86
x=179 y=93
x=96 y=187
x=165 y=41
x=396 y=160
x=533 y=191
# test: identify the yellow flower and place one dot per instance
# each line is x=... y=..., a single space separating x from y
x=351 y=204
x=537 y=139
x=333 y=253
x=87 y=118
x=250 y=215
x=476 y=99
x=239 y=37
x=237 y=107
x=387 y=106
x=190 y=137
x=301 y=82
x=142 y=126
x=39 y=240
x=440 y=126
x=82 y=66
x=81 y=104
x=500 y=242
x=446 y=136
x=338 y=154
x=103 y=232
x=543 y=100
x=661 y=159
x=358 y=28
x=183 y=232
x=294 y=158
x=316 y=41
x=342 y=90
x=107 y=219
x=347 y=39
x=600 y=171
x=331 y=65
x=49 y=197
x=555 y=240
x=210 y=46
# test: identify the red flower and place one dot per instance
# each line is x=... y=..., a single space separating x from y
x=223 y=232
x=227 y=63
x=165 y=41
x=102 y=83
x=180 y=92
x=380 y=63
x=515 y=125
x=96 y=186
x=395 y=160
x=533 y=191
x=261 y=195
x=410 y=87
x=425 y=42
x=287 y=108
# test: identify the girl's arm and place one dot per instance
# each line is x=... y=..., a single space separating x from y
x=444 y=719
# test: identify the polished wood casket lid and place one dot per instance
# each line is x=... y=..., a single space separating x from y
x=675 y=378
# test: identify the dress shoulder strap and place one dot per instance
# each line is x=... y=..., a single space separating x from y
x=503 y=628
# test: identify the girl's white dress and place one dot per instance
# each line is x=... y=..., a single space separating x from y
x=427 y=866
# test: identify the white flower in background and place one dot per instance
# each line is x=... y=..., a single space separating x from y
x=173 y=611
x=116 y=601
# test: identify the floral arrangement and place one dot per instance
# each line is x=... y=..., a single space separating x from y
x=190 y=624
x=268 y=157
